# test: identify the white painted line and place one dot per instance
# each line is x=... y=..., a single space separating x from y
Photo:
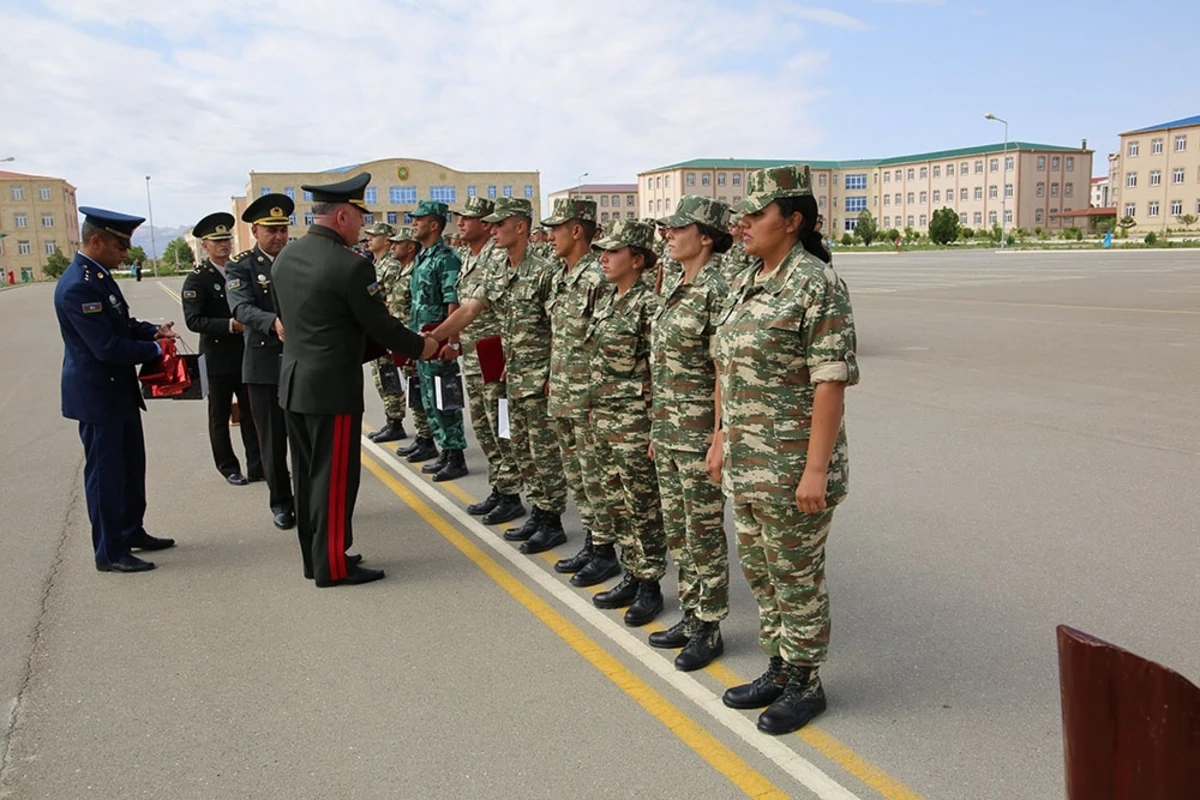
x=791 y=762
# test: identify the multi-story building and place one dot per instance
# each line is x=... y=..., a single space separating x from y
x=1028 y=185
x=613 y=200
x=37 y=217
x=1100 y=192
x=397 y=184
x=1155 y=175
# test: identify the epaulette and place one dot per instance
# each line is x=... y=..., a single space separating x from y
x=242 y=254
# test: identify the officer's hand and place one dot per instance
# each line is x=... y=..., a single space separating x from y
x=810 y=494
x=278 y=328
x=449 y=354
x=237 y=326
x=431 y=348
x=165 y=331
x=714 y=459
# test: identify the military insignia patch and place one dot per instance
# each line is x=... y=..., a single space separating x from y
x=216 y=287
x=263 y=281
x=93 y=308
x=373 y=289
x=112 y=298
x=233 y=283
x=189 y=294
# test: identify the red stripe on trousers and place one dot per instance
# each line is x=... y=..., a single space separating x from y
x=336 y=530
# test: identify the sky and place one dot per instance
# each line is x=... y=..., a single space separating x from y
x=197 y=93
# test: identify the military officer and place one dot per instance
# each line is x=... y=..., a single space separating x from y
x=102 y=346
x=387 y=376
x=248 y=288
x=785 y=354
x=435 y=296
x=330 y=301
x=483 y=263
x=206 y=311
x=405 y=247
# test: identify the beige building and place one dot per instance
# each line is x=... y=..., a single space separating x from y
x=1028 y=185
x=397 y=184
x=613 y=200
x=1155 y=176
x=1100 y=192
x=37 y=217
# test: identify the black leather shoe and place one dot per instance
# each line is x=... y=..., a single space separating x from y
x=393 y=431
x=677 y=635
x=423 y=450
x=509 y=508
x=567 y=566
x=760 y=692
x=600 y=567
x=700 y=651
x=353 y=559
x=485 y=505
x=801 y=701
x=125 y=564
x=354 y=576
x=550 y=534
x=285 y=520
x=454 y=468
x=436 y=466
x=528 y=529
x=144 y=541
x=646 y=606
x=620 y=595
x=236 y=479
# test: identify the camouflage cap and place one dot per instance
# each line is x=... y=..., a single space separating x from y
x=404 y=233
x=569 y=208
x=699 y=211
x=508 y=207
x=626 y=233
x=431 y=208
x=380 y=229
x=764 y=186
x=475 y=207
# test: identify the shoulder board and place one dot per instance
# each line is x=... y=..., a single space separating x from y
x=242 y=255
x=198 y=269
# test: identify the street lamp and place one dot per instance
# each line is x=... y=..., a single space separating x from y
x=153 y=246
x=8 y=158
x=581 y=177
x=1003 y=180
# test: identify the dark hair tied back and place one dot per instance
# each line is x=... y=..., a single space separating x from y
x=722 y=240
x=806 y=206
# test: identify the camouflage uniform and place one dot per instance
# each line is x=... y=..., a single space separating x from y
x=387 y=271
x=399 y=303
x=479 y=270
x=434 y=286
x=618 y=343
x=735 y=262
x=571 y=306
x=782 y=334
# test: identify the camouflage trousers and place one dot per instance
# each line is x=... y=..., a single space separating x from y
x=447 y=426
x=420 y=420
x=575 y=439
x=535 y=449
x=394 y=404
x=483 y=399
x=629 y=487
x=782 y=551
x=694 y=518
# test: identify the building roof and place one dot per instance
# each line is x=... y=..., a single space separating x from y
x=763 y=163
x=5 y=175
x=600 y=188
x=1101 y=179
x=1088 y=212
x=1186 y=122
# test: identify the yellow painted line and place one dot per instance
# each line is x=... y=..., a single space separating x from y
x=1119 y=309
x=747 y=779
x=457 y=492
x=176 y=297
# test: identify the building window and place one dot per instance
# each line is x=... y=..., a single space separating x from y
x=910 y=220
x=604 y=216
x=491 y=193
x=1041 y=163
x=887 y=221
x=950 y=170
x=1177 y=175
x=820 y=201
x=924 y=221
x=50 y=246
x=912 y=173
x=472 y=191
x=1131 y=180
x=669 y=206
x=659 y=205
x=392 y=217
x=851 y=224
x=937 y=171
x=1180 y=144
x=442 y=194
x=371 y=196
x=691 y=179
x=737 y=179
x=962 y=218
x=1041 y=189
x=1008 y=163
x=1008 y=190
x=1008 y=216
x=993 y=191
x=978 y=192
x=1176 y=208
x=291 y=221
x=1133 y=149
x=897 y=198
x=924 y=198
x=821 y=180
x=1156 y=147
x=856 y=181
x=1038 y=216
x=17 y=192
x=666 y=181
x=912 y=197
x=1155 y=177
x=47 y=220
x=21 y=221
x=992 y=217
x=604 y=201
x=1069 y=190
x=1054 y=190
x=1152 y=209
x=528 y=191
x=924 y=173
x=1054 y=164
x=24 y=248
x=994 y=164
x=308 y=195
x=266 y=190
x=44 y=192
x=616 y=199
x=402 y=195
x=720 y=179
x=977 y=218
x=1070 y=163
x=629 y=215
x=937 y=196
x=887 y=199
x=856 y=204
x=963 y=193
x=368 y=219
x=508 y=191
x=887 y=177
x=290 y=192
x=308 y=218
x=629 y=200
x=1130 y=209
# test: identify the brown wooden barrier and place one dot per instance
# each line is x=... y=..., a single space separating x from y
x=1131 y=727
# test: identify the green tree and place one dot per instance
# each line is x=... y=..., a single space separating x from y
x=891 y=235
x=943 y=227
x=847 y=239
x=1186 y=220
x=178 y=255
x=867 y=229
x=1125 y=223
x=55 y=265
x=135 y=255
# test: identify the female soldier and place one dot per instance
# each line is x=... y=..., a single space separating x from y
x=684 y=384
x=785 y=355
x=618 y=342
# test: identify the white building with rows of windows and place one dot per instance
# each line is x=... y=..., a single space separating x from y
x=1155 y=175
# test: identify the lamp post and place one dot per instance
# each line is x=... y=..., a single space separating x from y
x=581 y=177
x=1003 y=180
x=8 y=158
x=150 y=214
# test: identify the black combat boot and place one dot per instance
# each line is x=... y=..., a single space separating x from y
x=647 y=605
x=576 y=562
x=762 y=691
x=454 y=468
x=600 y=567
x=801 y=701
x=550 y=534
x=485 y=505
x=508 y=509
x=528 y=529
x=422 y=450
x=620 y=595
x=677 y=635
x=700 y=651
x=435 y=466
x=393 y=431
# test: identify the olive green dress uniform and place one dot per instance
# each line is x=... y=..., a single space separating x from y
x=399 y=305
x=248 y=288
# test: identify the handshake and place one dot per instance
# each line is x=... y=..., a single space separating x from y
x=433 y=348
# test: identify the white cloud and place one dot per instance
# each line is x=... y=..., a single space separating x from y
x=197 y=93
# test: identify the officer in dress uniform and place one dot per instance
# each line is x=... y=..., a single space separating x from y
x=330 y=302
x=102 y=346
x=206 y=311
x=248 y=288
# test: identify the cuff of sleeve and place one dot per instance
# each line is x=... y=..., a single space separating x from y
x=837 y=372
x=231 y=324
x=158 y=347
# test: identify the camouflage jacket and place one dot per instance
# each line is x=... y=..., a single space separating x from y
x=618 y=345
x=434 y=284
x=387 y=272
x=781 y=335
x=571 y=309
x=490 y=264
x=735 y=262
x=684 y=379
x=399 y=296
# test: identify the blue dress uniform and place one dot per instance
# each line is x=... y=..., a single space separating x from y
x=102 y=346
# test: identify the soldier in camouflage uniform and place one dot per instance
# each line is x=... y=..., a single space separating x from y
x=405 y=247
x=387 y=377
x=684 y=414
x=618 y=341
x=518 y=293
x=785 y=354
x=737 y=260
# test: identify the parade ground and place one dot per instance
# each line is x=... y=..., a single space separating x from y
x=1025 y=448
